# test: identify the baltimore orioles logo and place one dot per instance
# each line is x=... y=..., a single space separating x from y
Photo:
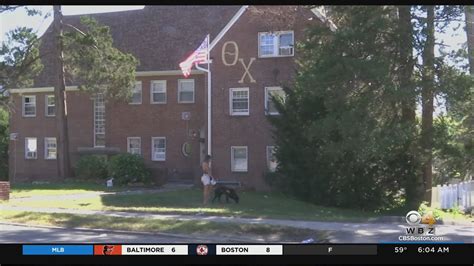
x=108 y=249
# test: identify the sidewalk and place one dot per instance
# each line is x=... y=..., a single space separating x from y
x=465 y=232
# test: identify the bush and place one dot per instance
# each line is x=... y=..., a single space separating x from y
x=126 y=168
x=92 y=167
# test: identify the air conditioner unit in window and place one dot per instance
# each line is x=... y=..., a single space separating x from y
x=287 y=50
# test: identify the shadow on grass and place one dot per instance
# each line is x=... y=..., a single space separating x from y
x=252 y=204
x=257 y=232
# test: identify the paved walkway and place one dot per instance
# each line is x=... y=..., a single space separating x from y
x=345 y=231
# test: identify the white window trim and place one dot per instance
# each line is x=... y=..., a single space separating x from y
x=232 y=158
x=231 y=110
x=128 y=144
x=95 y=121
x=26 y=149
x=276 y=44
x=153 y=147
x=151 y=91
x=268 y=162
x=179 y=90
x=46 y=105
x=23 y=105
x=141 y=94
x=46 y=148
x=267 y=99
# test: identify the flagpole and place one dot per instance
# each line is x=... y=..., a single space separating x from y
x=209 y=135
x=208 y=71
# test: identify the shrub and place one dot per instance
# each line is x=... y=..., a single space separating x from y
x=92 y=167
x=126 y=168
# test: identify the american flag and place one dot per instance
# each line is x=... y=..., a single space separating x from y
x=197 y=57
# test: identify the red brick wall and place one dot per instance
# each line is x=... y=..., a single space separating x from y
x=80 y=135
x=122 y=120
x=160 y=120
x=253 y=131
x=4 y=190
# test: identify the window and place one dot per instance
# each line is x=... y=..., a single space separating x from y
x=158 y=152
x=239 y=101
x=158 y=91
x=273 y=44
x=50 y=148
x=271 y=159
x=239 y=158
x=99 y=121
x=271 y=92
x=29 y=106
x=31 y=148
x=137 y=93
x=186 y=91
x=134 y=145
x=50 y=105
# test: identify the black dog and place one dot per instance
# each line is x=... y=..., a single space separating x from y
x=227 y=191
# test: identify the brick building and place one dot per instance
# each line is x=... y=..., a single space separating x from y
x=252 y=53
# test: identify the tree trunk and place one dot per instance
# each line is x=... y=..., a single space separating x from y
x=412 y=178
x=469 y=12
x=60 y=96
x=427 y=95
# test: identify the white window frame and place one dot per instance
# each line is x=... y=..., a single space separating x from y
x=128 y=144
x=179 y=90
x=153 y=149
x=101 y=98
x=276 y=44
x=232 y=166
x=231 y=98
x=141 y=92
x=269 y=150
x=152 y=92
x=46 y=105
x=46 y=148
x=26 y=149
x=24 y=105
x=268 y=99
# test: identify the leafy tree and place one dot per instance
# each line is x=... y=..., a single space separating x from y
x=86 y=55
x=3 y=144
x=348 y=134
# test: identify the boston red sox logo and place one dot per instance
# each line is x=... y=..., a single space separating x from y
x=202 y=250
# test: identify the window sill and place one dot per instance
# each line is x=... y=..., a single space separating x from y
x=239 y=171
x=31 y=158
x=154 y=160
x=272 y=114
x=29 y=116
x=134 y=103
x=50 y=159
x=185 y=102
x=240 y=114
x=158 y=103
x=50 y=115
x=274 y=56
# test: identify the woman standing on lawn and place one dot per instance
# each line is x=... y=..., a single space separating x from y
x=206 y=178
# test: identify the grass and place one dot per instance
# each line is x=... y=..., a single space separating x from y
x=21 y=190
x=188 y=201
x=191 y=228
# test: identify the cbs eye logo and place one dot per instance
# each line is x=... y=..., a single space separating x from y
x=413 y=218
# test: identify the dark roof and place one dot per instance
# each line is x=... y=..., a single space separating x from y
x=158 y=36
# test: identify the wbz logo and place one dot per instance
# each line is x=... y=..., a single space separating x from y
x=420 y=225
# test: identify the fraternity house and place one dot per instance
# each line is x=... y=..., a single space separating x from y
x=252 y=53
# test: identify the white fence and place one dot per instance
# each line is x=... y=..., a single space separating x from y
x=450 y=196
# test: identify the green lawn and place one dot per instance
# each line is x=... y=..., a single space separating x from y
x=21 y=190
x=188 y=201
x=191 y=228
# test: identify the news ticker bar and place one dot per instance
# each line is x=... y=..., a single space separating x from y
x=193 y=249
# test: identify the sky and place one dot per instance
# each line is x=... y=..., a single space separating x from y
x=11 y=20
